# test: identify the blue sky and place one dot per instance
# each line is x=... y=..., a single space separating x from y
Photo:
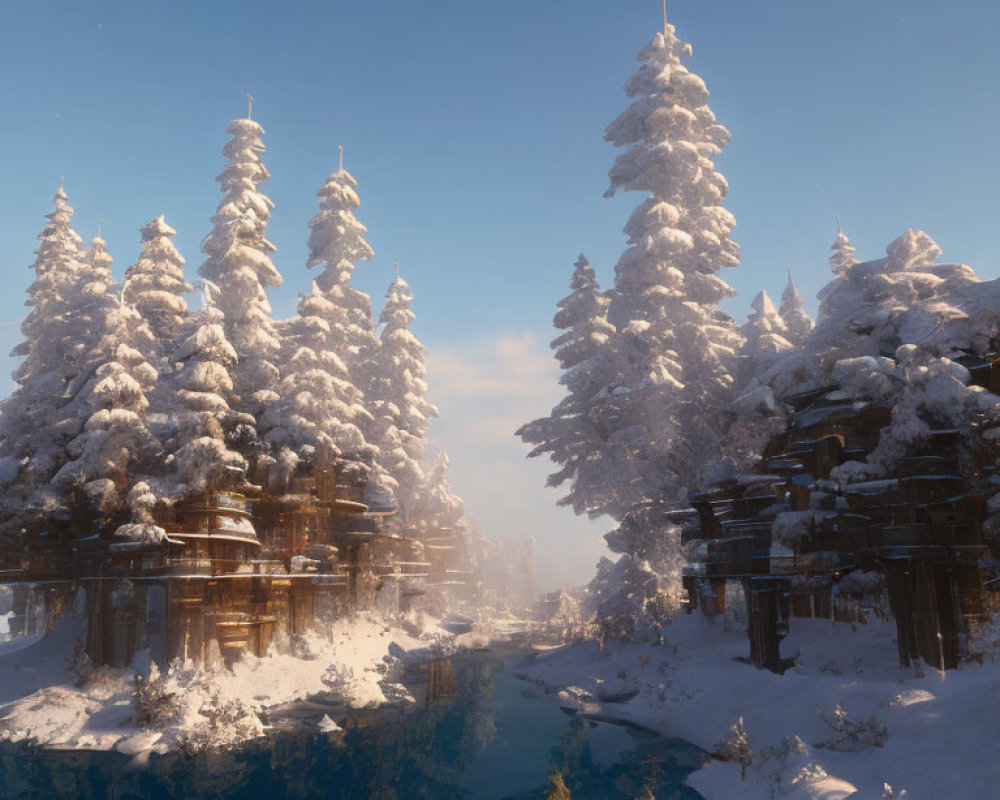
x=475 y=131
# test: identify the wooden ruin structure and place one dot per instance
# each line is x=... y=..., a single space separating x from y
x=799 y=544
x=240 y=566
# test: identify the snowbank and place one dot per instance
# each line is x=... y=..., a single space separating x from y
x=940 y=729
x=43 y=698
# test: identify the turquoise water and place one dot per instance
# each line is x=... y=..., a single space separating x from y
x=480 y=733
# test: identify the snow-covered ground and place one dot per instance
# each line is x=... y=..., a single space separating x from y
x=943 y=731
x=44 y=700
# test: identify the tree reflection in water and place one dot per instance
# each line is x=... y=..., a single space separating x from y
x=472 y=731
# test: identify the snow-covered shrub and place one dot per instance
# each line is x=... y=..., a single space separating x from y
x=850 y=735
x=153 y=707
x=736 y=748
x=224 y=713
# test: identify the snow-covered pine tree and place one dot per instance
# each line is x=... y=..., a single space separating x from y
x=107 y=401
x=764 y=332
x=330 y=340
x=337 y=243
x=798 y=324
x=438 y=509
x=674 y=348
x=893 y=332
x=842 y=261
x=757 y=415
x=399 y=395
x=155 y=284
x=904 y=298
x=567 y=434
x=239 y=263
x=319 y=409
x=842 y=252
x=196 y=398
x=31 y=448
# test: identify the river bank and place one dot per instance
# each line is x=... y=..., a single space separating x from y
x=50 y=699
x=475 y=730
x=931 y=734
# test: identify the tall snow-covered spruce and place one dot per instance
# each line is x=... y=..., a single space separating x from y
x=106 y=402
x=321 y=407
x=567 y=434
x=399 y=395
x=765 y=330
x=439 y=511
x=674 y=349
x=337 y=243
x=33 y=449
x=195 y=396
x=155 y=284
x=757 y=414
x=239 y=263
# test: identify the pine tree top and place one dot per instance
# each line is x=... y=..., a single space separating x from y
x=790 y=295
x=584 y=276
x=58 y=241
x=238 y=238
x=100 y=259
x=155 y=229
x=842 y=254
x=396 y=313
x=912 y=250
x=336 y=237
x=764 y=319
x=797 y=322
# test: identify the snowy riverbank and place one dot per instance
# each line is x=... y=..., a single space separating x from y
x=941 y=744
x=44 y=700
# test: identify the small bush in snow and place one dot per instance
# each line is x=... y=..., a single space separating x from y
x=223 y=713
x=736 y=748
x=153 y=706
x=850 y=735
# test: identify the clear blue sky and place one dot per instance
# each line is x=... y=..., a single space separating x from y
x=475 y=131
